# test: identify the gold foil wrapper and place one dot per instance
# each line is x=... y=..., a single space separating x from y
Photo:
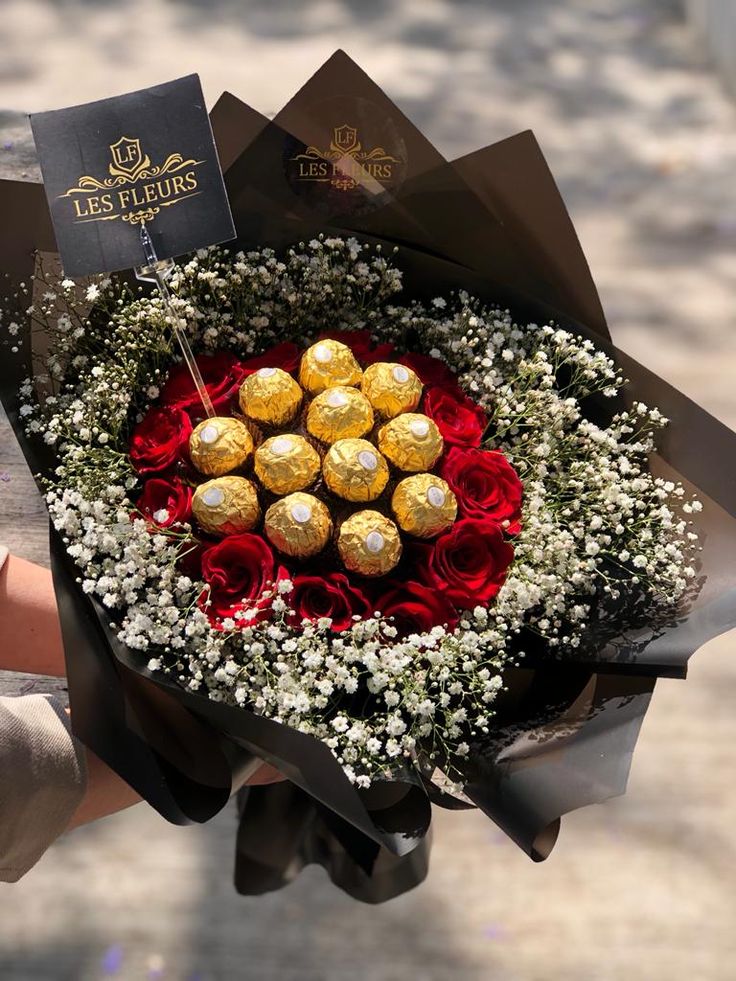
x=423 y=505
x=270 y=396
x=391 y=388
x=411 y=442
x=219 y=445
x=339 y=413
x=286 y=463
x=326 y=364
x=369 y=543
x=354 y=470
x=298 y=525
x=226 y=505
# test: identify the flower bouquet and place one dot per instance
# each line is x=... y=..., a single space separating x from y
x=440 y=537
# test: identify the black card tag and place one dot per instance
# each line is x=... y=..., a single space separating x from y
x=147 y=156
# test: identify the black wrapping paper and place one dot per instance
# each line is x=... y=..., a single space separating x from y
x=493 y=223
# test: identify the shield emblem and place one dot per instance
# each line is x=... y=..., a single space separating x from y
x=126 y=155
x=346 y=138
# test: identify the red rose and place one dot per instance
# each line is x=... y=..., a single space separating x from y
x=431 y=371
x=416 y=608
x=361 y=344
x=165 y=502
x=330 y=595
x=160 y=438
x=222 y=375
x=468 y=564
x=285 y=356
x=458 y=418
x=238 y=570
x=485 y=484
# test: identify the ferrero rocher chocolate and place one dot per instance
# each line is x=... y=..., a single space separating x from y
x=354 y=470
x=391 y=388
x=326 y=364
x=339 y=413
x=423 y=505
x=219 y=445
x=286 y=463
x=411 y=442
x=226 y=505
x=369 y=543
x=270 y=396
x=298 y=525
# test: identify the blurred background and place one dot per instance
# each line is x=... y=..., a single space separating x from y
x=632 y=102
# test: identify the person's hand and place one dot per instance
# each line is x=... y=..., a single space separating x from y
x=265 y=774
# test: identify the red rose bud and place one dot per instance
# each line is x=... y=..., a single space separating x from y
x=485 y=485
x=222 y=374
x=458 y=418
x=361 y=344
x=416 y=608
x=469 y=563
x=238 y=570
x=331 y=596
x=285 y=356
x=164 y=502
x=432 y=371
x=160 y=439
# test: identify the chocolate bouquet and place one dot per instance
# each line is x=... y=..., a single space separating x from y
x=429 y=538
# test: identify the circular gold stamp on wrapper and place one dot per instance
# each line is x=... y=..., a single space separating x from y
x=411 y=442
x=286 y=463
x=339 y=413
x=270 y=396
x=298 y=525
x=391 y=388
x=226 y=505
x=219 y=445
x=369 y=543
x=354 y=470
x=423 y=505
x=326 y=364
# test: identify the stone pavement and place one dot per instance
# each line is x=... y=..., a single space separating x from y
x=643 y=143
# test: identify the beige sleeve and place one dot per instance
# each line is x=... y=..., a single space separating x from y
x=42 y=780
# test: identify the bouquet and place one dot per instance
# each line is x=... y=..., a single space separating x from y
x=438 y=540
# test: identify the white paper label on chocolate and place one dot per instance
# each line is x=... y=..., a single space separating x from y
x=213 y=497
x=419 y=427
x=301 y=513
x=210 y=434
x=322 y=354
x=374 y=541
x=336 y=399
x=367 y=460
x=160 y=516
x=436 y=496
x=400 y=373
x=282 y=445
x=266 y=372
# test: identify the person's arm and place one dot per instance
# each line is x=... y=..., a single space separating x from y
x=30 y=635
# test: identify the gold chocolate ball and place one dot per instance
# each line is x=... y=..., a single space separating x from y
x=369 y=543
x=326 y=364
x=354 y=470
x=286 y=463
x=423 y=505
x=298 y=525
x=339 y=413
x=270 y=396
x=391 y=388
x=226 y=505
x=219 y=445
x=411 y=442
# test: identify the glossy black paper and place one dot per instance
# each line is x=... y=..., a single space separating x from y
x=493 y=223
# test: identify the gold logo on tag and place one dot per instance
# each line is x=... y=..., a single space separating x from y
x=346 y=163
x=134 y=190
